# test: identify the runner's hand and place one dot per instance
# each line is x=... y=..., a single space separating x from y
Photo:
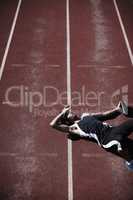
x=66 y=109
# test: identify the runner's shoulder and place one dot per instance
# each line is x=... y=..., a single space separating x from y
x=84 y=115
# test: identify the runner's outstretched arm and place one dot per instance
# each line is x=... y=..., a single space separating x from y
x=108 y=115
x=122 y=108
x=56 y=122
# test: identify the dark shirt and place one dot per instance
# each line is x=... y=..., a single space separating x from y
x=91 y=125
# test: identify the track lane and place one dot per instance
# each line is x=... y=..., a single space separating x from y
x=36 y=154
x=125 y=8
x=101 y=69
x=7 y=10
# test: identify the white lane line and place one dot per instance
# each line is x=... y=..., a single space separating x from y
x=124 y=32
x=69 y=143
x=17 y=65
x=3 y=154
x=92 y=155
x=102 y=66
x=9 y=39
x=24 y=65
x=52 y=66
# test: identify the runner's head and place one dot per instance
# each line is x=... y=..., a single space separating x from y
x=72 y=118
x=69 y=119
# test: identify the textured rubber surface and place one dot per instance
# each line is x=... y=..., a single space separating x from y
x=33 y=156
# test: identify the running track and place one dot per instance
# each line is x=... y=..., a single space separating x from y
x=52 y=51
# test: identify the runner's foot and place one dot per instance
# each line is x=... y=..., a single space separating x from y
x=129 y=165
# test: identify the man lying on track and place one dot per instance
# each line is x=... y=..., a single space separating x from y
x=92 y=126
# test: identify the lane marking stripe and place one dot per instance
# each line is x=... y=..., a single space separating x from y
x=99 y=67
x=3 y=154
x=24 y=65
x=69 y=143
x=9 y=39
x=123 y=31
x=92 y=155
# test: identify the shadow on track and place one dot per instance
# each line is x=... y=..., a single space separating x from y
x=126 y=153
